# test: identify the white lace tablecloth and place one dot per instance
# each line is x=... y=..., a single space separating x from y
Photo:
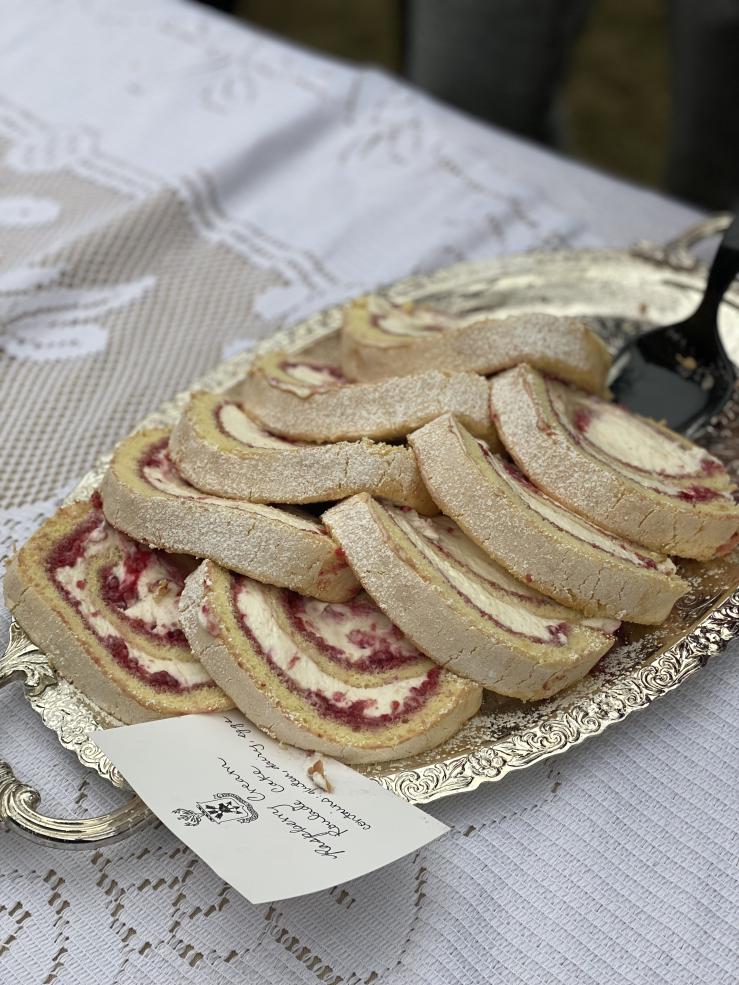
x=172 y=187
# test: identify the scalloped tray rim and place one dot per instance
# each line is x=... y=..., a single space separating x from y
x=634 y=690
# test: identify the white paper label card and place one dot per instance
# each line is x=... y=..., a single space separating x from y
x=271 y=820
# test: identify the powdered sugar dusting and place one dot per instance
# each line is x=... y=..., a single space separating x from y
x=382 y=339
x=387 y=409
x=291 y=472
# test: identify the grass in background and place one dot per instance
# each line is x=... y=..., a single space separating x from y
x=616 y=101
x=617 y=98
x=358 y=30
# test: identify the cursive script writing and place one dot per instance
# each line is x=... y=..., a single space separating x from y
x=283 y=813
x=254 y=794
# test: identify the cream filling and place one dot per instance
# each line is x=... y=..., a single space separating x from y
x=581 y=529
x=303 y=379
x=297 y=666
x=445 y=533
x=156 y=607
x=165 y=479
x=629 y=439
x=466 y=560
x=631 y=471
x=240 y=426
x=409 y=320
x=336 y=623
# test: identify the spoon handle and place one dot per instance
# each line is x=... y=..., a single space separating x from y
x=723 y=270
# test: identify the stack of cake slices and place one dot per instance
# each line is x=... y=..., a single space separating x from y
x=351 y=550
x=381 y=340
x=220 y=449
x=337 y=678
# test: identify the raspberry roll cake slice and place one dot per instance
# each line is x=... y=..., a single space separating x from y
x=380 y=339
x=220 y=449
x=313 y=401
x=621 y=471
x=336 y=678
x=144 y=496
x=462 y=609
x=104 y=611
x=540 y=542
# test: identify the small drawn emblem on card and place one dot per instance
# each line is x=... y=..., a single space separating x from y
x=223 y=807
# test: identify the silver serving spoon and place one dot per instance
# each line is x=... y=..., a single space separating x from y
x=681 y=373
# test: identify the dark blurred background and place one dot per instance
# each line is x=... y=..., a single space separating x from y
x=614 y=104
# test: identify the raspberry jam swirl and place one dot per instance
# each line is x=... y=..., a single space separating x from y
x=409 y=320
x=353 y=634
x=127 y=595
x=159 y=471
x=231 y=420
x=304 y=378
x=568 y=522
x=638 y=448
x=508 y=603
x=356 y=637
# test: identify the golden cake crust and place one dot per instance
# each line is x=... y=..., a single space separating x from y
x=280 y=394
x=263 y=542
x=467 y=487
x=544 y=450
x=60 y=632
x=562 y=346
x=452 y=631
x=218 y=647
x=218 y=463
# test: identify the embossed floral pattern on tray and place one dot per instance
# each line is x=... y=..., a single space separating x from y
x=507 y=735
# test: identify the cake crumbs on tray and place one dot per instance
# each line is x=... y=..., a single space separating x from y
x=317 y=772
x=687 y=362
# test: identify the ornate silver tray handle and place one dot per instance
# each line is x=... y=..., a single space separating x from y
x=18 y=801
x=620 y=292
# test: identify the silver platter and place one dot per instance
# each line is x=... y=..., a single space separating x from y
x=620 y=293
